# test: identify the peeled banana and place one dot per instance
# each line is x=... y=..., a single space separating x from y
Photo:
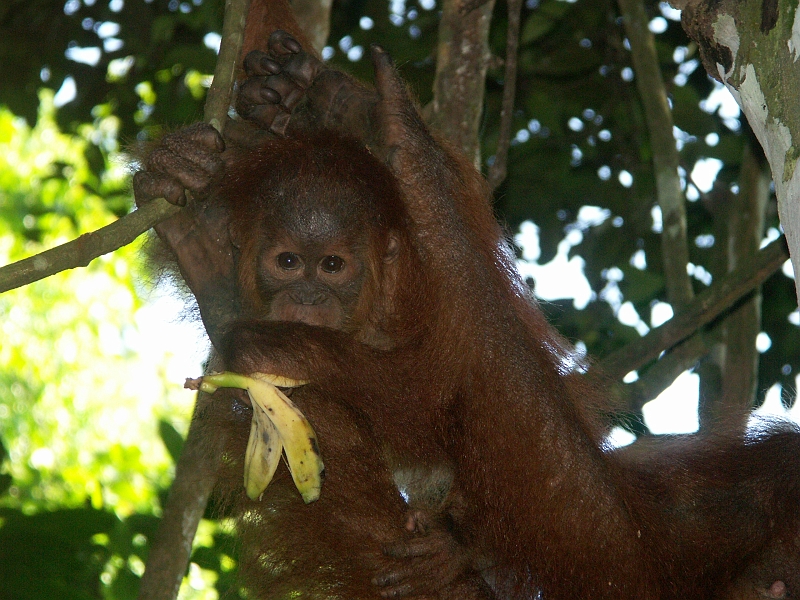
x=277 y=425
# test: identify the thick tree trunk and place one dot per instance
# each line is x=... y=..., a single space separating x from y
x=753 y=46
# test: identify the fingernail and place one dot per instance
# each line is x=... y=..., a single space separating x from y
x=271 y=96
x=292 y=45
x=270 y=65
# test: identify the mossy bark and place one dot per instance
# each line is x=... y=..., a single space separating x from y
x=753 y=47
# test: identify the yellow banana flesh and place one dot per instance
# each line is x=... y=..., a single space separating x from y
x=263 y=453
x=277 y=424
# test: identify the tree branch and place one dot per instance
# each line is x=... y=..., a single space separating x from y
x=194 y=481
x=499 y=169
x=739 y=228
x=84 y=249
x=706 y=307
x=664 y=372
x=461 y=62
x=674 y=244
x=195 y=478
x=218 y=101
x=738 y=385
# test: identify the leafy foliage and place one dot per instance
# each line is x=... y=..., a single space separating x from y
x=82 y=443
x=57 y=353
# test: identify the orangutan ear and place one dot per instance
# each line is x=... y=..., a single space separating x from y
x=392 y=249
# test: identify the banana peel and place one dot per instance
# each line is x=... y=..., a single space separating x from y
x=277 y=426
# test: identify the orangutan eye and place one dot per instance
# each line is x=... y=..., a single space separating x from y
x=332 y=264
x=289 y=261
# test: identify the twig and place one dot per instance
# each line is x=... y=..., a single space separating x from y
x=499 y=168
x=81 y=251
x=703 y=309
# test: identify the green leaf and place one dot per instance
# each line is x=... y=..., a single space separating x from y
x=542 y=21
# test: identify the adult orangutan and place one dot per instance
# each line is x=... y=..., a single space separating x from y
x=450 y=367
x=458 y=367
x=702 y=531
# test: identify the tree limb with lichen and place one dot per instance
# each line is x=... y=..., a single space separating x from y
x=753 y=47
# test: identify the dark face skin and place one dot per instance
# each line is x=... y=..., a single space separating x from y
x=312 y=271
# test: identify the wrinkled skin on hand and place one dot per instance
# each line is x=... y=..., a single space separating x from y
x=289 y=90
x=182 y=168
x=276 y=82
x=187 y=160
x=434 y=558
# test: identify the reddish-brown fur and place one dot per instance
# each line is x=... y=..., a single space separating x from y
x=299 y=178
x=468 y=378
x=494 y=394
x=331 y=548
x=477 y=380
x=336 y=543
x=724 y=510
x=335 y=546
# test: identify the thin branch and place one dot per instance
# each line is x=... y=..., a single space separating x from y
x=218 y=100
x=82 y=250
x=499 y=169
x=631 y=397
x=650 y=84
x=706 y=307
x=195 y=477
